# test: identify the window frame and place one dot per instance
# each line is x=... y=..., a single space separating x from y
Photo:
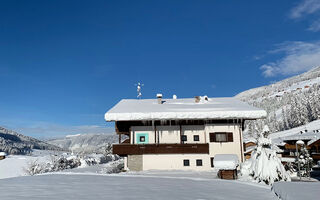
x=212 y=162
x=137 y=138
x=186 y=162
x=196 y=136
x=182 y=138
x=199 y=163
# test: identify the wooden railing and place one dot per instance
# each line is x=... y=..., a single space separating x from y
x=315 y=156
x=293 y=147
x=138 y=149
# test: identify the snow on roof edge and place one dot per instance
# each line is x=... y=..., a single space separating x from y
x=258 y=114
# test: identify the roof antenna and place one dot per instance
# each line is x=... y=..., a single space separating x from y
x=139 y=86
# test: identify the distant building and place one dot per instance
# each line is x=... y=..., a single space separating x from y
x=310 y=138
x=249 y=146
x=2 y=155
x=182 y=134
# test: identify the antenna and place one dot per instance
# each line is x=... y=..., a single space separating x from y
x=139 y=87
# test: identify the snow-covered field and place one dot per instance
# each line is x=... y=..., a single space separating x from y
x=296 y=190
x=68 y=186
x=15 y=165
x=96 y=182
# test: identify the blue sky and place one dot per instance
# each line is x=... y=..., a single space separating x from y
x=63 y=64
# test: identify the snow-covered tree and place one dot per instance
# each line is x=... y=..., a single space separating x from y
x=264 y=165
x=304 y=161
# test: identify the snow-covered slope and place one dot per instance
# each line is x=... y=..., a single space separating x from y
x=293 y=84
x=290 y=103
x=85 y=143
x=14 y=143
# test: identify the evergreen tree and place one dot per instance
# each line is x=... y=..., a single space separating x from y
x=264 y=165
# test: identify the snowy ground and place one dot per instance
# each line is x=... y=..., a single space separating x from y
x=95 y=182
x=15 y=165
x=297 y=190
x=81 y=186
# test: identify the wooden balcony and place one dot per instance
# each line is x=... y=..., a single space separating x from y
x=315 y=156
x=138 y=149
x=293 y=147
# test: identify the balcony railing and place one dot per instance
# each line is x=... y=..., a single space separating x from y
x=135 y=149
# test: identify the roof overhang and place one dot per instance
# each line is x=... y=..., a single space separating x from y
x=247 y=115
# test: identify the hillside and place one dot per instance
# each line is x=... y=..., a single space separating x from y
x=290 y=103
x=85 y=143
x=12 y=142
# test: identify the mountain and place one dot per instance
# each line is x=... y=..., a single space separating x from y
x=85 y=143
x=290 y=103
x=12 y=142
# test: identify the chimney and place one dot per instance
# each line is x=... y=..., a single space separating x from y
x=174 y=96
x=197 y=99
x=159 y=97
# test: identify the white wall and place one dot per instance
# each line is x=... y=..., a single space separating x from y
x=192 y=130
x=225 y=147
x=175 y=162
x=169 y=134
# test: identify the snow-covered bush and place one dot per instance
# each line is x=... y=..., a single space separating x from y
x=108 y=149
x=34 y=168
x=114 y=167
x=57 y=163
x=67 y=161
x=264 y=165
x=63 y=163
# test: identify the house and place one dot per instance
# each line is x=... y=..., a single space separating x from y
x=310 y=138
x=249 y=145
x=2 y=155
x=181 y=134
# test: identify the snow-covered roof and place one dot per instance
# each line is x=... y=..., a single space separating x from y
x=3 y=154
x=250 y=149
x=310 y=136
x=288 y=159
x=213 y=108
x=226 y=161
x=249 y=139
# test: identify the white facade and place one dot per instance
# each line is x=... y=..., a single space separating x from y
x=195 y=134
x=235 y=147
x=176 y=162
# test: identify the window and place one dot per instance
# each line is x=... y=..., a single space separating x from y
x=186 y=163
x=212 y=159
x=183 y=138
x=196 y=138
x=199 y=162
x=142 y=138
x=221 y=137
